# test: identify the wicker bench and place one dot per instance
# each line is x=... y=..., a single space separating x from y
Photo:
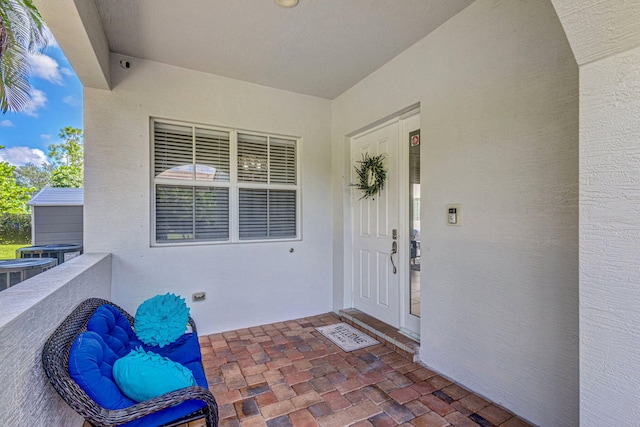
x=55 y=356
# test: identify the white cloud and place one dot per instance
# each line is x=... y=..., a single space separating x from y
x=45 y=67
x=66 y=71
x=38 y=100
x=20 y=155
x=45 y=136
x=71 y=100
x=6 y=124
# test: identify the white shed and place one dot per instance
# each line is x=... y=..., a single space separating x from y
x=56 y=216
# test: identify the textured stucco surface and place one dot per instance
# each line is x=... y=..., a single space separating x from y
x=605 y=37
x=29 y=313
x=498 y=93
x=246 y=284
x=599 y=28
x=609 y=240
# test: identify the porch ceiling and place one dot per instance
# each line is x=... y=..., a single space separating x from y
x=320 y=47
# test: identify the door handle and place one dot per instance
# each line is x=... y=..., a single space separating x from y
x=394 y=250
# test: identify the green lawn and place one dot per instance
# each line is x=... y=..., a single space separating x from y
x=9 y=251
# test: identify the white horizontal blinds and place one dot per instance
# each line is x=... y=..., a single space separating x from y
x=267 y=214
x=282 y=213
x=174 y=213
x=191 y=213
x=252 y=158
x=212 y=213
x=173 y=151
x=212 y=155
x=282 y=161
x=253 y=214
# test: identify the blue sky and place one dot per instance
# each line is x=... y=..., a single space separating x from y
x=56 y=103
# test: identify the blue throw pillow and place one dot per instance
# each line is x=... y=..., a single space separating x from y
x=144 y=375
x=161 y=320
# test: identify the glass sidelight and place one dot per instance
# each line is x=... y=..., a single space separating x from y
x=414 y=222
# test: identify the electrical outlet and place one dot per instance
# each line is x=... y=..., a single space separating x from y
x=198 y=296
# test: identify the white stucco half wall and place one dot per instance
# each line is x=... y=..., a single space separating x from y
x=498 y=92
x=246 y=284
x=29 y=313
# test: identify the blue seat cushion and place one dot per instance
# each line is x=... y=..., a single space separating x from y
x=109 y=336
x=184 y=350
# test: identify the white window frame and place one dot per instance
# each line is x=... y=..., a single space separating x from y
x=233 y=185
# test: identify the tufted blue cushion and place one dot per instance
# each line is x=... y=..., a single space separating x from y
x=144 y=375
x=94 y=353
x=114 y=328
x=91 y=365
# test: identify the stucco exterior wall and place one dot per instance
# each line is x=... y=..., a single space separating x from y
x=246 y=284
x=29 y=313
x=605 y=38
x=609 y=235
x=498 y=92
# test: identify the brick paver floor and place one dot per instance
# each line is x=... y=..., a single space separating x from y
x=288 y=374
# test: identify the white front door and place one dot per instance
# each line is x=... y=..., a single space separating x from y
x=375 y=280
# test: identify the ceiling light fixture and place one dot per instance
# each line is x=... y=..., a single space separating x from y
x=286 y=3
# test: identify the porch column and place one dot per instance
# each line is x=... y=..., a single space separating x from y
x=605 y=38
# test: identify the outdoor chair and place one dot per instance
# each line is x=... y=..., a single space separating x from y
x=55 y=359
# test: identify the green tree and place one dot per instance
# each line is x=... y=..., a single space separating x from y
x=66 y=176
x=33 y=176
x=70 y=151
x=68 y=159
x=13 y=198
x=22 y=31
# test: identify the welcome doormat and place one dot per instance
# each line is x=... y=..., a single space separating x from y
x=346 y=336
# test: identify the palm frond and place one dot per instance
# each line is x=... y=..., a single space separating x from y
x=22 y=32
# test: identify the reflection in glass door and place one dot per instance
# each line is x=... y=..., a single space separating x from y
x=414 y=222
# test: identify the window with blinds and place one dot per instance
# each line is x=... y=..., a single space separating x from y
x=198 y=194
x=267 y=213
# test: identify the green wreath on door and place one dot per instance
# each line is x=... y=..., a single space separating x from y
x=371 y=175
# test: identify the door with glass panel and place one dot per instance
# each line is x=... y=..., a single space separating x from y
x=411 y=295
